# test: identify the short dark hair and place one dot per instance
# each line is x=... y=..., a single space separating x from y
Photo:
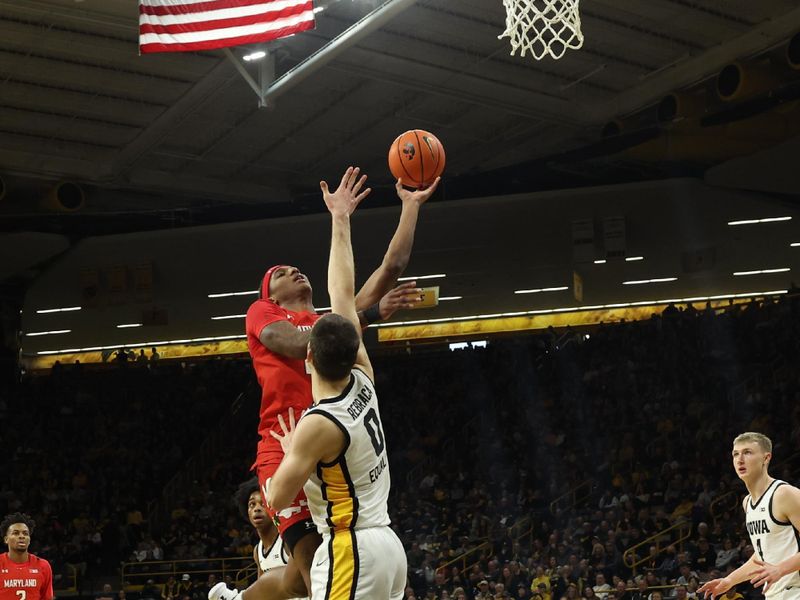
x=242 y=496
x=17 y=517
x=334 y=345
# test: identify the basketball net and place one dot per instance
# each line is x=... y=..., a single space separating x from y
x=543 y=27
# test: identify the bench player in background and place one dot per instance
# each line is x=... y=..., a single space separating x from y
x=772 y=517
x=269 y=554
x=23 y=576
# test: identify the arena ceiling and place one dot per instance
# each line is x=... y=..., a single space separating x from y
x=166 y=132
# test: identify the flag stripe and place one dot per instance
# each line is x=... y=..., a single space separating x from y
x=207 y=6
x=266 y=13
x=154 y=43
x=189 y=25
x=219 y=24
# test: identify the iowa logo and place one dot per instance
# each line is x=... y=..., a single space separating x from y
x=410 y=151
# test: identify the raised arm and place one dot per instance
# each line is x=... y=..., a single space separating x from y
x=398 y=253
x=341 y=268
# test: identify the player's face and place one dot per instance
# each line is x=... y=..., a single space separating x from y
x=255 y=510
x=287 y=283
x=18 y=537
x=749 y=459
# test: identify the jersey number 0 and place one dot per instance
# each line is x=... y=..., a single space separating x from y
x=375 y=431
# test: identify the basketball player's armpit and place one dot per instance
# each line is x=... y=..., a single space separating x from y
x=285 y=339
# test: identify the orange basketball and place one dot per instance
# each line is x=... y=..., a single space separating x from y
x=416 y=157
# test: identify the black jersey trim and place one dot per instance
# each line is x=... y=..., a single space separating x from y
x=754 y=506
x=356 y=561
x=330 y=562
x=344 y=393
x=364 y=373
x=771 y=514
x=341 y=427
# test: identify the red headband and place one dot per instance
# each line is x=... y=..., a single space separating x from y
x=265 y=282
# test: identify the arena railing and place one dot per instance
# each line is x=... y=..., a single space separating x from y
x=475 y=555
x=580 y=493
x=134 y=575
x=661 y=540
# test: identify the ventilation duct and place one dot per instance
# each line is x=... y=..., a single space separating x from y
x=65 y=196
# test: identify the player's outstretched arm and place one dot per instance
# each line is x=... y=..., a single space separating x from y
x=717 y=587
x=398 y=253
x=341 y=268
x=315 y=439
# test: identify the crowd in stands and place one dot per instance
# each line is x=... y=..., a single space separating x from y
x=485 y=445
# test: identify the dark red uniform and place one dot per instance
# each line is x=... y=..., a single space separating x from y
x=284 y=384
x=30 y=580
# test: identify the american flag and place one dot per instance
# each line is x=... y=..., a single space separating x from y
x=189 y=25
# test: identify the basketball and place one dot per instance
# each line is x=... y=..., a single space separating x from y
x=416 y=157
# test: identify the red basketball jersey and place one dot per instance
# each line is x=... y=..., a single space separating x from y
x=284 y=381
x=31 y=580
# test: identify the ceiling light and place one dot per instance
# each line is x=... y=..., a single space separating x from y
x=128 y=325
x=254 y=56
x=762 y=271
x=318 y=9
x=218 y=338
x=633 y=258
x=795 y=244
x=655 y=280
x=445 y=298
x=754 y=221
x=54 y=332
x=601 y=261
x=223 y=317
x=437 y=276
x=538 y=290
x=228 y=294
x=55 y=310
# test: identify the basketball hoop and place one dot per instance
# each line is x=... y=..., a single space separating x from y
x=543 y=27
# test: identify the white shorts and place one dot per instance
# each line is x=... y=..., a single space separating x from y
x=365 y=564
x=789 y=593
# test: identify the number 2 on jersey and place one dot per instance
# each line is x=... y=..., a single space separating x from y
x=374 y=430
x=22 y=594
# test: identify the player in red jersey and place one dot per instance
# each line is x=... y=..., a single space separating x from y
x=23 y=576
x=278 y=326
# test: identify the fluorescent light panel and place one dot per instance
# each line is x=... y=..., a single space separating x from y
x=417 y=278
x=762 y=271
x=229 y=294
x=600 y=261
x=446 y=298
x=56 y=310
x=218 y=338
x=655 y=280
x=53 y=332
x=128 y=325
x=756 y=221
x=223 y=317
x=538 y=290
x=795 y=244
x=254 y=56
x=633 y=258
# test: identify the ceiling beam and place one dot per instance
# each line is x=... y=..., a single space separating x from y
x=694 y=70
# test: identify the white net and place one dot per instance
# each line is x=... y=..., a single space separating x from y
x=543 y=27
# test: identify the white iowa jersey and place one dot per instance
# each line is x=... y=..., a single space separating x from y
x=351 y=492
x=773 y=540
x=274 y=556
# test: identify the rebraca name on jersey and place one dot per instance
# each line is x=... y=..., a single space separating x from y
x=360 y=402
